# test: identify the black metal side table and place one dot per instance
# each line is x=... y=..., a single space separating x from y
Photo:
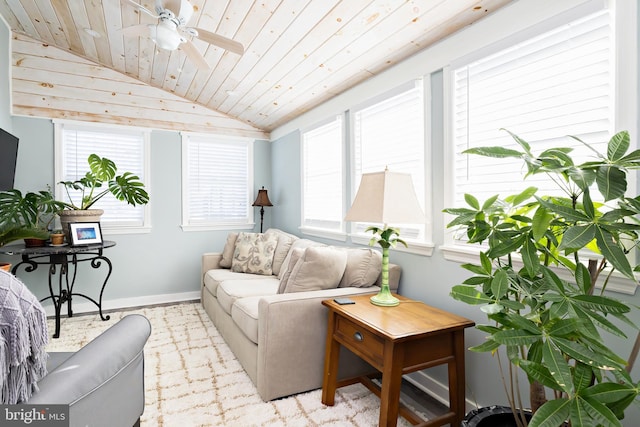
x=60 y=259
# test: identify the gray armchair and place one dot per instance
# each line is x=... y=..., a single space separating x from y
x=103 y=383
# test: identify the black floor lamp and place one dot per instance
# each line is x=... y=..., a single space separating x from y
x=262 y=200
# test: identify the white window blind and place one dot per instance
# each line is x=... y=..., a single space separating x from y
x=217 y=177
x=125 y=147
x=390 y=133
x=556 y=84
x=322 y=193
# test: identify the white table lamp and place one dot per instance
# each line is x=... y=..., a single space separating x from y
x=386 y=198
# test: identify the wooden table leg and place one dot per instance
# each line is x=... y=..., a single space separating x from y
x=457 y=379
x=391 y=383
x=331 y=359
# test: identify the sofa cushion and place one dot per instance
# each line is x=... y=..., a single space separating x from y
x=254 y=253
x=244 y=313
x=296 y=253
x=231 y=290
x=212 y=278
x=227 y=252
x=364 y=265
x=285 y=240
x=300 y=243
x=318 y=268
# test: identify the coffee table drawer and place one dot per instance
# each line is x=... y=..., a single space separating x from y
x=359 y=340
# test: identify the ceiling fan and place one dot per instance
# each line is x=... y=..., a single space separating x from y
x=171 y=31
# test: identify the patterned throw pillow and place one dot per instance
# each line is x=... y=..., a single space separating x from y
x=254 y=253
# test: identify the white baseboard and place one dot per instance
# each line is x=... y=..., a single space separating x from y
x=82 y=306
x=435 y=389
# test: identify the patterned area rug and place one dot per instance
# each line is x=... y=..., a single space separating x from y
x=193 y=379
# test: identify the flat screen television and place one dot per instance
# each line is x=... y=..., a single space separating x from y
x=8 y=157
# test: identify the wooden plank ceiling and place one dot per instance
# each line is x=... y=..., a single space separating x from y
x=297 y=54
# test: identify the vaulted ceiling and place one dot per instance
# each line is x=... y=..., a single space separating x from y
x=297 y=53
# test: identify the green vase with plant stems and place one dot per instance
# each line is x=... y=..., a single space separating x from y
x=388 y=238
x=541 y=258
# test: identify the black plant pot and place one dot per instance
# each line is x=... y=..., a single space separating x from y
x=492 y=416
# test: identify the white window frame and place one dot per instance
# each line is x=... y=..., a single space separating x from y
x=425 y=245
x=60 y=193
x=338 y=233
x=244 y=224
x=498 y=34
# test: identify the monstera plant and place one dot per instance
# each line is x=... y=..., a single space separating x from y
x=102 y=179
x=126 y=187
x=31 y=211
x=536 y=280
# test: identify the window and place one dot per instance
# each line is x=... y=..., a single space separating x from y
x=217 y=177
x=127 y=147
x=544 y=88
x=390 y=134
x=322 y=176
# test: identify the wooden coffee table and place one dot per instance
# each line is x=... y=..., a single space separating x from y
x=396 y=341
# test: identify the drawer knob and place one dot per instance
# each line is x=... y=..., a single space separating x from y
x=358 y=336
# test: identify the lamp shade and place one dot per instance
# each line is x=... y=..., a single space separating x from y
x=262 y=199
x=386 y=198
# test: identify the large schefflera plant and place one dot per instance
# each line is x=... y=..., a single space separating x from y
x=537 y=287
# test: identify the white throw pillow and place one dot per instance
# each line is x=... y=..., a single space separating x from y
x=299 y=243
x=296 y=254
x=319 y=267
x=282 y=250
x=364 y=266
x=227 y=252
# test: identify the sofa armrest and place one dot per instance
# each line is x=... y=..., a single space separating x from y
x=210 y=261
x=292 y=331
x=105 y=374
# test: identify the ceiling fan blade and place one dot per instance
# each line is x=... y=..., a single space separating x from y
x=192 y=53
x=172 y=5
x=186 y=11
x=136 y=30
x=139 y=7
x=218 y=40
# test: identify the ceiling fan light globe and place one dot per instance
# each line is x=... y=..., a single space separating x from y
x=165 y=36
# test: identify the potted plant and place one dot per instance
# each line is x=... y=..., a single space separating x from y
x=57 y=237
x=538 y=291
x=102 y=171
x=28 y=216
x=11 y=233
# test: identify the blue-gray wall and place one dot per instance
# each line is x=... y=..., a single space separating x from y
x=160 y=266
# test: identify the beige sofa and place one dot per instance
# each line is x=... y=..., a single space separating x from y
x=273 y=320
